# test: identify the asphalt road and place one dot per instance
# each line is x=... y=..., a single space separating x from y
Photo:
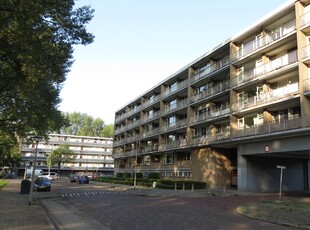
x=117 y=209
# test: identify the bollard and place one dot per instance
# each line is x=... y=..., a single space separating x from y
x=183 y=186
x=193 y=186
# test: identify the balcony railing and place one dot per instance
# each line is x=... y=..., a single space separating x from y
x=305 y=19
x=151 y=116
x=218 y=88
x=175 y=89
x=151 y=101
x=307 y=85
x=272 y=127
x=150 y=132
x=203 y=72
x=264 y=98
x=213 y=114
x=179 y=105
x=305 y=52
x=174 y=125
x=277 y=64
x=263 y=41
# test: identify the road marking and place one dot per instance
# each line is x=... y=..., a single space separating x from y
x=94 y=193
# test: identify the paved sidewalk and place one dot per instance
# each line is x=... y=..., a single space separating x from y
x=17 y=214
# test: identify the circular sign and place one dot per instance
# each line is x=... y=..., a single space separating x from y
x=267 y=148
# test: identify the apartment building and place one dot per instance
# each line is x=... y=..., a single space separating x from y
x=234 y=116
x=93 y=154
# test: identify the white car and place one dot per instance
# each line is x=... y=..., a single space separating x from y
x=49 y=175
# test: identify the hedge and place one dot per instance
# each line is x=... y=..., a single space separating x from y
x=164 y=184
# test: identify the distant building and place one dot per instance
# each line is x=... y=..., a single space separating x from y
x=93 y=154
x=231 y=116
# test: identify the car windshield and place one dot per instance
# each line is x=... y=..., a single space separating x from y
x=40 y=179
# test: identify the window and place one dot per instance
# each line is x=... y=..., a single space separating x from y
x=183 y=156
x=171 y=121
x=150 y=113
x=147 y=160
x=170 y=139
x=173 y=87
x=168 y=158
x=155 y=158
x=173 y=104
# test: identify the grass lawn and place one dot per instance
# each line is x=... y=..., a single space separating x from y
x=2 y=183
x=290 y=211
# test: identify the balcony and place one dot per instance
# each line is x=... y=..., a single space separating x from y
x=222 y=111
x=132 y=138
x=151 y=132
x=175 y=125
x=133 y=124
x=305 y=22
x=306 y=54
x=209 y=69
x=179 y=105
x=275 y=95
x=208 y=139
x=151 y=116
x=148 y=149
x=174 y=145
x=175 y=89
x=268 y=67
x=307 y=87
x=216 y=89
x=261 y=42
x=272 y=127
x=151 y=101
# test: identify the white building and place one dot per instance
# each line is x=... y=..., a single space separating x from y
x=93 y=154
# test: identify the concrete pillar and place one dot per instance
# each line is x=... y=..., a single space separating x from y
x=242 y=173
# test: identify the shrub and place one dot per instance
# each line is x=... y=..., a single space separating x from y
x=154 y=176
x=119 y=174
x=126 y=175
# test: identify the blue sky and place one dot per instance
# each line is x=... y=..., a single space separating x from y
x=139 y=43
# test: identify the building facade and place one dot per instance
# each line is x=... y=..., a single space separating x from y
x=93 y=154
x=231 y=117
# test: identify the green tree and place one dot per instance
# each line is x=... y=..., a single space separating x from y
x=9 y=150
x=85 y=125
x=61 y=155
x=36 y=47
x=107 y=131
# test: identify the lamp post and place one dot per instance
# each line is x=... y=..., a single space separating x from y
x=36 y=139
x=135 y=176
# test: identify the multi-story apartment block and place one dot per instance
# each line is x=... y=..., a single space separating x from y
x=243 y=107
x=93 y=154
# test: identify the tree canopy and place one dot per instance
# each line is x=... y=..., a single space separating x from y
x=83 y=124
x=60 y=155
x=36 y=47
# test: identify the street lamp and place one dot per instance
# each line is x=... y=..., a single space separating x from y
x=135 y=176
x=36 y=139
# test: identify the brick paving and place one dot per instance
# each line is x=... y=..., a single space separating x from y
x=17 y=214
x=169 y=212
x=136 y=209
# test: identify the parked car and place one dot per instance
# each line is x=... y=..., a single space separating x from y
x=73 y=178
x=83 y=180
x=42 y=184
x=50 y=175
x=37 y=172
